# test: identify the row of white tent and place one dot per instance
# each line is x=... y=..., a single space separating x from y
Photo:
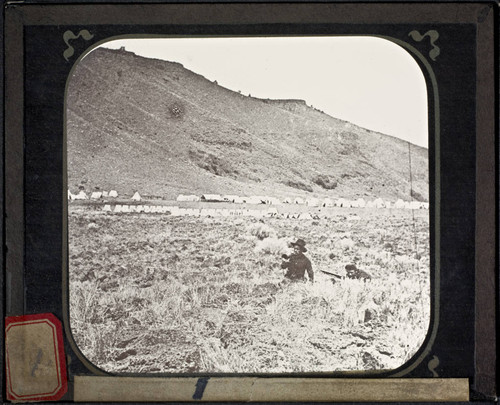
x=96 y=195
x=311 y=202
x=207 y=212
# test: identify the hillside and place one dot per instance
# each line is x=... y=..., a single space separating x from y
x=143 y=124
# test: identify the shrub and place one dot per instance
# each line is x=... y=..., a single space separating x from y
x=262 y=231
x=346 y=243
x=417 y=196
x=326 y=182
x=212 y=163
x=272 y=246
x=298 y=185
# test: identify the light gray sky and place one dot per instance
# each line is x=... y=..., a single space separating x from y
x=368 y=81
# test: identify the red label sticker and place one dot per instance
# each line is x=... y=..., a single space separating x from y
x=35 y=361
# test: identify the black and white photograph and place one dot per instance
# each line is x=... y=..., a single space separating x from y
x=248 y=205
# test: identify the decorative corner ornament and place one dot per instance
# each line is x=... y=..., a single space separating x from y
x=68 y=35
x=433 y=37
x=432 y=365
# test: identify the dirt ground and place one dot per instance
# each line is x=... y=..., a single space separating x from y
x=153 y=293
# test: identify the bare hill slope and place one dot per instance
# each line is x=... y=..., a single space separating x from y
x=143 y=124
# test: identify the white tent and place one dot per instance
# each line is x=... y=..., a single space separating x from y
x=312 y=202
x=399 y=203
x=361 y=202
x=71 y=196
x=340 y=202
x=379 y=203
x=273 y=201
x=173 y=210
x=212 y=197
x=191 y=197
x=118 y=208
x=107 y=208
x=113 y=194
x=315 y=202
x=415 y=205
x=81 y=196
x=343 y=202
x=327 y=202
x=105 y=194
x=305 y=215
x=96 y=195
x=136 y=196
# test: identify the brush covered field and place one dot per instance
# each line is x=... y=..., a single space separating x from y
x=153 y=293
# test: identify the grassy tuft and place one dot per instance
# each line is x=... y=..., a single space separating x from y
x=167 y=294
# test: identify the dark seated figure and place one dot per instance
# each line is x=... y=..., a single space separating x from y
x=354 y=273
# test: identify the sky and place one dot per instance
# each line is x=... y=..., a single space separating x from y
x=371 y=82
